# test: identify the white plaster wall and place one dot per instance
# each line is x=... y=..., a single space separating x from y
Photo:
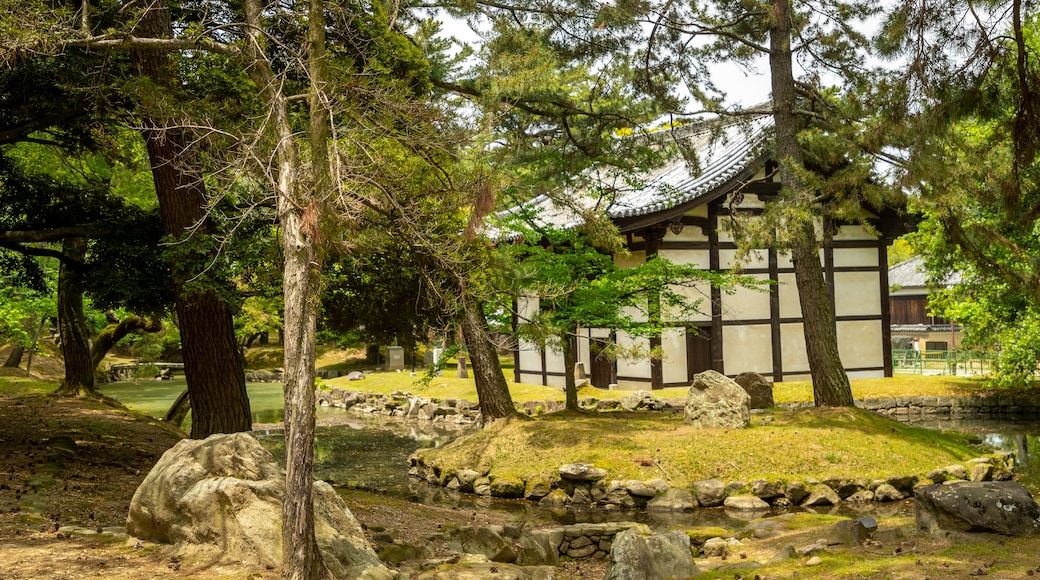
x=639 y=366
x=526 y=307
x=747 y=303
x=558 y=382
x=673 y=365
x=700 y=294
x=856 y=257
x=788 y=294
x=857 y=293
x=747 y=349
x=784 y=260
x=754 y=259
x=859 y=343
x=698 y=258
x=530 y=357
x=866 y=374
x=792 y=343
x=531 y=379
x=853 y=232
x=554 y=360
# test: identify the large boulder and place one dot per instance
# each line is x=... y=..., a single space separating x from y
x=715 y=400
x=759 y=388
x=637 y=556
x=223 y=495
x=1002 y=507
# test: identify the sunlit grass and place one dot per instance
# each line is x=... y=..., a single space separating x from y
x=829 y=442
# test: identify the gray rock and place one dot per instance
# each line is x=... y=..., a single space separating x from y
x=489 y=571
x=485 y=541
x=638 y=400
x=848 y=533
x=536 y=488
x=997 y=507
x=715 y=548
x=225 y=492
x=467 y=478
x=556 y=498
x=767 y=489
x=758 y=388
x=673 y=500
x=746 y=502
x=715 y=400
x=821 y=495
x=507 y=487
x=636 y=556
x=582 y=472
x=955 y=472
x=709 y=492
x=886 y=492
x=785 y=553
x=355 y=376
x=796 y=492
x=861 y=497
x=540 y=548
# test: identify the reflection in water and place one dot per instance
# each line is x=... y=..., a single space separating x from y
x=1017 y=436
x=367 y=452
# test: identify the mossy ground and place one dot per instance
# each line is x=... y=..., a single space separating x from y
x=787 y=444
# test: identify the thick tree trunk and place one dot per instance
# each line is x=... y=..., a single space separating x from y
x=830 y=383
x=567 y=342
x=178 y=411
x=15 y=357
x=212 y=361
x=492 y=389
x=72 y=324
x=113 y=333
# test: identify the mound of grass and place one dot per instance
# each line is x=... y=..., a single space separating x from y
x=786 y=444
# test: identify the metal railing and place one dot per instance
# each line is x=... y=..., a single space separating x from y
x=941 y=362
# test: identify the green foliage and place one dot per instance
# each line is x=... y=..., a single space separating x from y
x=979 y=181
x=579 y=284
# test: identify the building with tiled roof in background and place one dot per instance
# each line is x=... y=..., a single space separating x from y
x=680 y=213
x=909 y=288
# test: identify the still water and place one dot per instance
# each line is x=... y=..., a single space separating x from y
x=360 y=451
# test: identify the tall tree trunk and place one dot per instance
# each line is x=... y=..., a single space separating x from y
x=213 y=365
x=35 y=343
x=830 y=383
x=492 y=389
x=298 y=215
x=567 y=342
x=72 y=324
x=15 y=357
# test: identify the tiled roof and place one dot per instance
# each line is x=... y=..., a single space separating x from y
x=725 y=156
x=911 y=274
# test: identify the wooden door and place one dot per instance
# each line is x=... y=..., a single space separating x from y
x=698 y=350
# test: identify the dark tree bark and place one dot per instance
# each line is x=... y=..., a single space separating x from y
x=212 y=361
x=15 y=357
x=492 y=389
x=113 y=333
x=178 y=410
x=72 y=324
x=570 y=385
x=830 y=383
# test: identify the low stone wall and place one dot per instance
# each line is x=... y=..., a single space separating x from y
x=588 y=487
x=402 y=404
x=910 y=409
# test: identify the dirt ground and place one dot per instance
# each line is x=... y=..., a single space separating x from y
x=69 y=468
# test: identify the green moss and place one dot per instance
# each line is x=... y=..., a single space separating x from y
x=826 y=443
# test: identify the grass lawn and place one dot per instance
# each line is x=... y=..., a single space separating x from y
x=790 y=444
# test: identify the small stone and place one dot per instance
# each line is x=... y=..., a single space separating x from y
x=814 y=561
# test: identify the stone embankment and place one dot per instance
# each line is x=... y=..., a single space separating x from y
x=402 y=404
x=997 y=407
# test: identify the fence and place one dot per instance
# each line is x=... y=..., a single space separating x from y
x=941 y=362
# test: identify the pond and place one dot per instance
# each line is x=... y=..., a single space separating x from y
x=360 y=451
